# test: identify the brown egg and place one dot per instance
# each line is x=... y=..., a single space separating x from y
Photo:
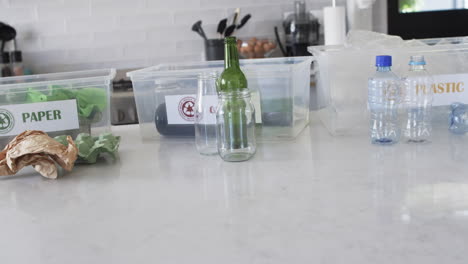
x=250 y=55
x=243 y=50
x=249 y=48
x=263 y=41
x=273 y=45
x=254 y=39
x=266 y=47
x=260 y=55
x=259 y=49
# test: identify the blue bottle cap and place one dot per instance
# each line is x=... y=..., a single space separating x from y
x=383 y=61
x=417 y=60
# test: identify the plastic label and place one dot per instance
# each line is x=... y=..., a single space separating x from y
x=450 y=88
x=48 y=117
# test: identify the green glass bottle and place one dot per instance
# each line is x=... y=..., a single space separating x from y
x=231 y=82
x=232 y=79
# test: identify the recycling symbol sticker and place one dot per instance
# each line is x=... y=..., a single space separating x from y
x=187 y=108
x=7 y=121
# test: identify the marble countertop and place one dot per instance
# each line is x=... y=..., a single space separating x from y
x=318 y=199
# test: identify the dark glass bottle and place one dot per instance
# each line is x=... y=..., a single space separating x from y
x=165 y=129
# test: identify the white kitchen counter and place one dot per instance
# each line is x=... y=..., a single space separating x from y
x=318 y=199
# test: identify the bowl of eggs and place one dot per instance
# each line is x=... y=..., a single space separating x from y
x=255 y=48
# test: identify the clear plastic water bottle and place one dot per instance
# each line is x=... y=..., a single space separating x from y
x=458 y=118
x=383 y=102
x=417 y=102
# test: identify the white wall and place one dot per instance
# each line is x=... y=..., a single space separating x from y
x=62 y=35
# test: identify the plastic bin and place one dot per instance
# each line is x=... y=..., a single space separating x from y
x=343 y=73
x=282 y=85
x=60 y=103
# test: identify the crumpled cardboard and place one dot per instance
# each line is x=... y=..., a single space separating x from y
x=37 y=149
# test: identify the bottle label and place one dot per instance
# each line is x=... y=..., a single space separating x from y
x=181 y=109
x=449 y=88
x=47 y=116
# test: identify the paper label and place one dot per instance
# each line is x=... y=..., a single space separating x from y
x=450 y=88
x=47 y=117
x=181 y=109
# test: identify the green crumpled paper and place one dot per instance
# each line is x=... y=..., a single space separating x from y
x=90 y=148
x=91 y=101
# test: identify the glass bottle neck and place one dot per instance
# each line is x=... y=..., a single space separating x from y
x=384 y=69
x=231 y=59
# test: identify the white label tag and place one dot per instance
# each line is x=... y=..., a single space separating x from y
x=450 y=88
x=180 y=109
x=47 y=116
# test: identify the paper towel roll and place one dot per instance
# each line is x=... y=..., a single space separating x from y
x=334 y=20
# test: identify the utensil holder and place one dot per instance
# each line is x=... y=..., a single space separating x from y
x=214 y=49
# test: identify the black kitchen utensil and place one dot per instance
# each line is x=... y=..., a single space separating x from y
x=229 y=30
x=197 y=27
x=7 y=33
x=244 y=21
x=222 y=26
x=278 y=40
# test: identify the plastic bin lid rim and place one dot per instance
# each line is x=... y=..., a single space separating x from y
x=155 y=70
x=73 y=76
x=461 y=43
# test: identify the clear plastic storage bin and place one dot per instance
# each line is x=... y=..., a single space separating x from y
x=165 y=96
x=343 y=74
x=59 y=103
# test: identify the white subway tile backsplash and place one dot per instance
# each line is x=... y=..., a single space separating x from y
x=172 y=32
x=28 y=43
x=210 y=16
x=226 y=3
x=145 y=21
x=58 y=35
x=94 y=55
x=116 y=7
x=189 y=47
x=44 y=57
x=115 y=38
x=18 y=14
x=63 y=11
x=150 y=50
x=91 y=24
x=65 y=42
x=173 y=5
x=40 y=29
